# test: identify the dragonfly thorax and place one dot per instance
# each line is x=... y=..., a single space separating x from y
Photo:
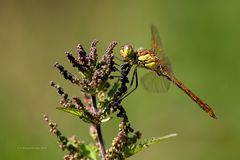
x=142 y=58
x=148 y=59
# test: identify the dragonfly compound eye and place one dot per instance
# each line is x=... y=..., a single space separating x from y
x=127 y=52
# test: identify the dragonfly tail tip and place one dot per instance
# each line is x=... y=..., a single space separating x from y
x=213 y=115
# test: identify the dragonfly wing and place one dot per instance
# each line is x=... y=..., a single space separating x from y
x=157 y=47
x=156 y=43
x=154 y=83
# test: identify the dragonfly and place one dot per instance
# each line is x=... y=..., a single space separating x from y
x=160 y=73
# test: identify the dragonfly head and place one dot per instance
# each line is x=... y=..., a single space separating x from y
x=127 y=52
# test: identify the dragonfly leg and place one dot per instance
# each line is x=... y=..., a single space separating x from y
x=135 y=76
x=125 y=73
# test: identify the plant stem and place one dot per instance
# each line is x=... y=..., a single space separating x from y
x=98 y=129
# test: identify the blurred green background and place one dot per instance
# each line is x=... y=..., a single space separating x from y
x=201 y=38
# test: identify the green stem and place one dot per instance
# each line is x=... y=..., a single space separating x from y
x=98 y=129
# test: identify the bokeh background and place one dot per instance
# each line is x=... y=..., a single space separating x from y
x=201 y=39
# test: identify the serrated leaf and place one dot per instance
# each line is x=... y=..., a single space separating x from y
x=114 y=89
x=86 y=149
x=105 y=104
x=73 y=111
x=89 y=151
x=145 y=144
x=106 y=119
x=76 y=112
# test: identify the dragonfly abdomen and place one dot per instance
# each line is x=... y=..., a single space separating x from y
x=199 y=101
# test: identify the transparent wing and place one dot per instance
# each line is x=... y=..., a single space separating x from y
x=156 y=43
x=154 y=83
x=157 y=47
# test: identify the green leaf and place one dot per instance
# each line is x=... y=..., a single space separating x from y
x=73 y=111
x=105 y=104
x=145 y=144
x=89 y=151
x=114 y=89
x=85 y=149
x=76 y=112
x=106 y=119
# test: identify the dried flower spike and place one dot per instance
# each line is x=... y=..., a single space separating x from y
x=99 y=100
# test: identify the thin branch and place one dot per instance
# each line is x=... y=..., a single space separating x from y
x=98 y=129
